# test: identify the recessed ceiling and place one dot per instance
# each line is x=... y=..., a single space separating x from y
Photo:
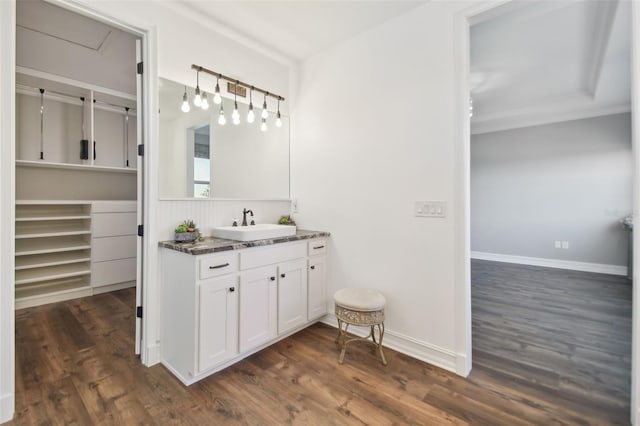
x=299 y=29
x=540 y=62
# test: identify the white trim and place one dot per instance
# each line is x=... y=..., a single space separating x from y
x=418 y=349
x=572 y=265
x=635 y=144
x=7 y=208
x=75 y=167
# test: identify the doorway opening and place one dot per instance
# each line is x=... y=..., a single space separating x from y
x=551 y=178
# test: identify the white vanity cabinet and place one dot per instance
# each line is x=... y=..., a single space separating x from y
x=220 y=308
x=199 y=312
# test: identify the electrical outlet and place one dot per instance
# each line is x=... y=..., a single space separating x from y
x=430 y=209
x=557 y=244
x=294 y=205
x=565 y=245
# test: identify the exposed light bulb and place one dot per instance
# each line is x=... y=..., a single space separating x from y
x=205 y=103
x=221 y=119
x=251 y=117
x=263 y=126
x=265 y=113
x=235 y=121
x=197 y=100
x=217 y=99
x=235 y=114
x=185 y=102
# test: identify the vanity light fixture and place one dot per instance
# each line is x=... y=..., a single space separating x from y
x=217 y=99
x=250 y=115
x=205 y=103
x=201 y=100
x=185 y=101
x=197 y=100
x=278 y=120
x=265 y=113
x=235 y=115
x=221 y=120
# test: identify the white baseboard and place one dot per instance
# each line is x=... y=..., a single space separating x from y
x=552 y=263
x=7 y=403
x=423 y=351
x=153 y=355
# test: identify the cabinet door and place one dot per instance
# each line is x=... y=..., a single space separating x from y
x=317 y=288
x=218 y=322
x=292 y=295
x=258 y=303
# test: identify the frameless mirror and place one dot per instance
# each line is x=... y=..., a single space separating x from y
x=200 y=158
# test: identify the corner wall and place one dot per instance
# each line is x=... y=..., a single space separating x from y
x=569 y=181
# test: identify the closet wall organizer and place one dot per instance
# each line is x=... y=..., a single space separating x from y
x=63 y=122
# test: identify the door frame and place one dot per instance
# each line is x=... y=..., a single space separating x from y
x=149 y=354
x=462 y=22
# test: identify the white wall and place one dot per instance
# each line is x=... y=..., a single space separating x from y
x=567 y=181
x=364 y=150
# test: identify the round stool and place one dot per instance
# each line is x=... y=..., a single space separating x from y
x=362 y=307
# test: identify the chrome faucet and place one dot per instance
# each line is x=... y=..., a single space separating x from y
x=244 y=216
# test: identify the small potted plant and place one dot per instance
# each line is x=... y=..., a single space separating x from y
x=286 y=220
x=187 y=232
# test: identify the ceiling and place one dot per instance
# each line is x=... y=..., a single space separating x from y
x=298 y=29
x=536 y=63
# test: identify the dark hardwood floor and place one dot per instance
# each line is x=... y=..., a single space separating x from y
x=75 y=365
x=556 y=332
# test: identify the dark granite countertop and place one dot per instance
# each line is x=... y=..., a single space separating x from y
x=215 y=245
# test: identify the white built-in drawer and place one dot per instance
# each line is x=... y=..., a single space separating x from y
x=111 y=248
x=113 y=272
x=317 y=247
x=113 y=206
x=213 y=266
x=114 y=224
x=262 y=256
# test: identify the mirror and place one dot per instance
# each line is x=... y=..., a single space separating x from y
x=199 y=158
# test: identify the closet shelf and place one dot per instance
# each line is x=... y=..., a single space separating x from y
x=52 y=259
x=29 y=276
x=49 y=288
x=39 y=218
x=28 y=247
x=57 y=233
x=76 y=167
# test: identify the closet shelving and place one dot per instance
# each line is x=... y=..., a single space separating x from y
x=101 y=119
x=53 y=249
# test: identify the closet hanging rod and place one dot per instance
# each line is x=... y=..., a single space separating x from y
x=236 y=81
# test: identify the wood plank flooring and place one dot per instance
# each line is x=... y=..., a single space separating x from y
x=75 y=365
x=557 y=332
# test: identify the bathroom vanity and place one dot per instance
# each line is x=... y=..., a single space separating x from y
x=223 y=300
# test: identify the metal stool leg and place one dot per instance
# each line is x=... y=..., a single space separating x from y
x=381 y=330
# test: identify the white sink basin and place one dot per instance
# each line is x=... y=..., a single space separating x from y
x=254 y=232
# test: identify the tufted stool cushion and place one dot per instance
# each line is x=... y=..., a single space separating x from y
x=360 y=307
x=360 y=299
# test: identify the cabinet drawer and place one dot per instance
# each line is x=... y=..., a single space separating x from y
x=268 y=256
x=112 y=248
x=214 y=266
x=317 y=247
x=113 y=272
x=114 y=224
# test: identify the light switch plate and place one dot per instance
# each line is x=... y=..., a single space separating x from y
x=430 y=209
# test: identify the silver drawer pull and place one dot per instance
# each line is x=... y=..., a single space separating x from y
x=219 y=266
x=318 y=247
